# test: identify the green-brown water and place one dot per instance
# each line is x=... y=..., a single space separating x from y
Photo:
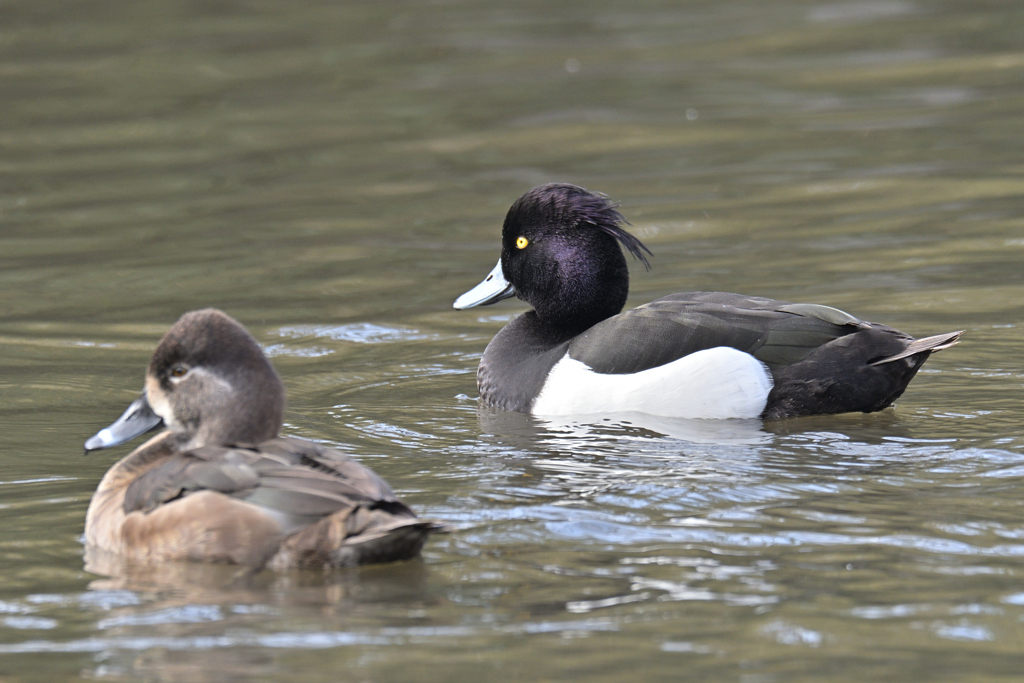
x=335 y=174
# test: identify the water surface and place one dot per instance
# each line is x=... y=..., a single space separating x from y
x=335 y=175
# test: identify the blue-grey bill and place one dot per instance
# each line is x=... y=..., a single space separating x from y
x=493 y=289
x=138 y=419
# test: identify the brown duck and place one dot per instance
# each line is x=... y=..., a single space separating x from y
x=219 y=484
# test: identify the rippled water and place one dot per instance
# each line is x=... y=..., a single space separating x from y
x=334 y=175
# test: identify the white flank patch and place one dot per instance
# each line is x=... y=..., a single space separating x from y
x=715 y=383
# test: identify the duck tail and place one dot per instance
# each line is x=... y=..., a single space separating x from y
x=402 y=541
x=926 y=344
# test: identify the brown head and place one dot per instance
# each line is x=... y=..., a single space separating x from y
x=209 y=383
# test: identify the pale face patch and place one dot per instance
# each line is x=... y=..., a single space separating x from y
x=717 y=383
x=198 y=384
x=161 y=406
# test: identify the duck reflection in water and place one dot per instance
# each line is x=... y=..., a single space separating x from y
x=561 y=430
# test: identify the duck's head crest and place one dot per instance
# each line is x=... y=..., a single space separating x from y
x=568 y=207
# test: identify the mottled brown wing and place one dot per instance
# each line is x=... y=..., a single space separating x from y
x=300 y=480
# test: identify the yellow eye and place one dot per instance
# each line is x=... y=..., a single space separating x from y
x=522 y=242
x=179 y=371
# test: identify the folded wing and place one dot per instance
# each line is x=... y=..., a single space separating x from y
x=777 y=333
x=296 y=480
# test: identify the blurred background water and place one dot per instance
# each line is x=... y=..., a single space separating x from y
x=335 y=174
